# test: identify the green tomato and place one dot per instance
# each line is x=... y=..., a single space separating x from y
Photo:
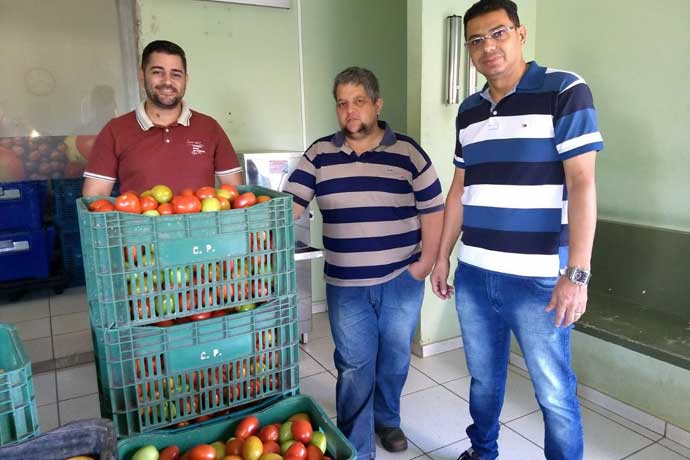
x=246 y=307
x=220 y=449
x=318 y=439
x=146 y=453
x=284 y=446
x=285 y=433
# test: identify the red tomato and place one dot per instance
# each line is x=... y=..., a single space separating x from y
x=187 y=192
x=128 y=202
x=269 y=433
x=314 y=453
x=296 y=450
x=234 y=446
x=301 y=431
x=147 y=203
x=101 y=205
x=263 y=198
x=170 y=453
x=186 y=204
x=202 y=452
x=165 y=209
x=200 y=316
x=271 y=447
x=205 y=192
x=165 y=323
x=224 y=203
x=232 y=189
x=244 y=201
x=247 y=427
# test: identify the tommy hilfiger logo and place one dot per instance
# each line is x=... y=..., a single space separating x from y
x=196 y=147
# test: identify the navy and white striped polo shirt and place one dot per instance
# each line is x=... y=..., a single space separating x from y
x=370 y=204
x=515 y=203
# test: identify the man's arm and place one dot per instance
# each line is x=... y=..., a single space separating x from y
x=452 y=222
x=432 y=224
x=96 y=187
x=570 y=299
x=297 y=210
x=232 y=179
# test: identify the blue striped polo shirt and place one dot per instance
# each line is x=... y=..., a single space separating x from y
x=370 y=204
x=515 y=203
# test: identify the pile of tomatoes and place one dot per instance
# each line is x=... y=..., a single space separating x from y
x=159 y=201
x=294 y=439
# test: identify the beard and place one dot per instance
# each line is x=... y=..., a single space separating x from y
x=364 y=130
x=155 y=98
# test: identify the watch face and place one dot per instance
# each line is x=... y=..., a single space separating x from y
x=580 y=276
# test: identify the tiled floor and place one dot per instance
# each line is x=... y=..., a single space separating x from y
x=434 y=405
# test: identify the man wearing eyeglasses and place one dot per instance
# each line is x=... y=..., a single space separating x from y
x=524 y=196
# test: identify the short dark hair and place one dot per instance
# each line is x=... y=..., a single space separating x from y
x=162 y=46
x=488 y=6
x=358 y=76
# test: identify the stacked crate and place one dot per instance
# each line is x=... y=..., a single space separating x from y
x=18 y=416
x=193 y=314
x=26 y=246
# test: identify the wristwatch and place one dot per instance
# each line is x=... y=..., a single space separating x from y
x=577 y=275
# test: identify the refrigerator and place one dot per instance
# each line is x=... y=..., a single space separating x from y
x=272 y=170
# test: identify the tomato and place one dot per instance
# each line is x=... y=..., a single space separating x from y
x=220 y=449
x=232 y=189
x=202 y=452
x=285 y=432
x=263 y=198
x=301 y=431
x=318 y=439
x=170 y=453
x=101 y=205
x=146 y=453
x=165 y=323
x=186 y=204
x=205 y=192
x=270 y=456
x=234 y=446
x=314 y=453
x=232 y=457
x=244 y=201
x=200 y=316
x=224 y=203
x=165 y=209
x=148 y=202
x=296 y=450
x=271 y=447
x=298 y=415
x=247 y=427
x=128 y=202
x=187 y=192
x=162 y=193
x=252 y=448
x=269 y=433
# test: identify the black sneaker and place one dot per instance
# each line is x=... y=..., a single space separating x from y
x=392 y=439
x=469 y=454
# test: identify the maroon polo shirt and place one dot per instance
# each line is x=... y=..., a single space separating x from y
x=138 y=154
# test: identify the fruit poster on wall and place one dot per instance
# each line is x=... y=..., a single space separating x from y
x=46 y=157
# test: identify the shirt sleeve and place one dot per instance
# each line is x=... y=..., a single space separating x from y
x=103 y=160
x=225 y=158
x=575 y=123
x=425 y=183
x=302 y=182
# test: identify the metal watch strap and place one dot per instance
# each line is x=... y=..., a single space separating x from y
x=577 y=275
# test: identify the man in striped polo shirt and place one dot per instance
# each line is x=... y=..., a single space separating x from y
x=380 y=198
x=524 y=195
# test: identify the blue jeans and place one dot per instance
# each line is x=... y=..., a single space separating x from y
x=372 y=328
x=490 y=305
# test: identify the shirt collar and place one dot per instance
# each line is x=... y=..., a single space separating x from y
x=389 y=138
x=532 y=79
x=146 y=123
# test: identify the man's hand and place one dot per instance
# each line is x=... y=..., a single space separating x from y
x=569 y=300
x=439 y=280
x=419 y=270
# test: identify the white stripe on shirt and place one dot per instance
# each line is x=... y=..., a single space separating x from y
x=514 y=196
x=579 y=141
x=509 y=262
x=510 y=127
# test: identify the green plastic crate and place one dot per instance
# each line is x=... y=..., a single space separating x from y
x=338 y=447
x=151 y=377
x=142 y=270
x=18 y=416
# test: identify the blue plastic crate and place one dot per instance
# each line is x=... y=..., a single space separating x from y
x=65 y=194
x=26 y=254
x=21 y=205
x=70 y=248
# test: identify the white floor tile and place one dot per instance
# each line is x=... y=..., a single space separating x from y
x=674 y=446
x=79 y=408
x=656 y=452
x=623 y=421
x=322 y=351
x=71 y=301
x=411 y=452
x=73 y=382
x=39 y=349
x=73 y=343
x=33 y=329
x=48 y=417
x=519 y=398
x=45 y=388
x=72 y=322
x=678 y=435
x=604 y=439
x=321 y=387
x=308 y=365
x=32 y=306
x=416 y=381
x=434 y=418
x=320 y=327
x=443 y=367
x=511 y=446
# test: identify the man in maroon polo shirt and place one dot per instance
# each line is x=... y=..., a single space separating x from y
x=163 y=141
